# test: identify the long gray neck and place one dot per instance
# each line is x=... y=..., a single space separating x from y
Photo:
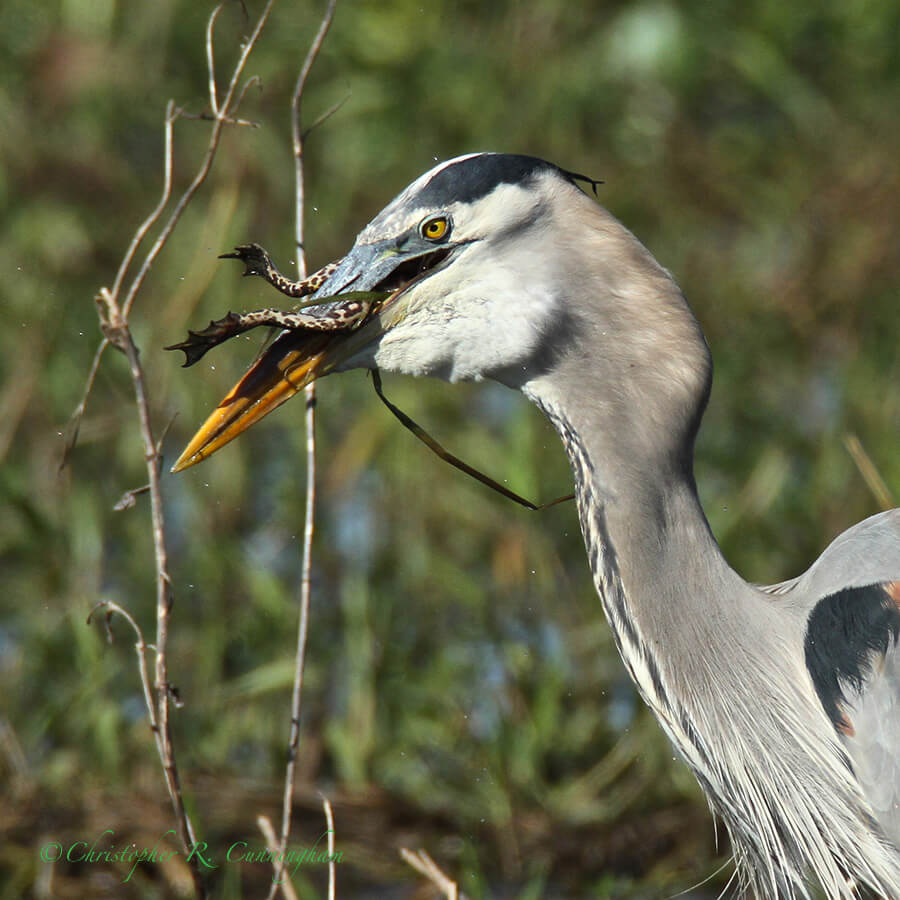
x=626 y=398
x=650 y=549
x=718 y=661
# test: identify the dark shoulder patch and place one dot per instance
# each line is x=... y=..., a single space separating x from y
x=845 y=631
x=475 y=177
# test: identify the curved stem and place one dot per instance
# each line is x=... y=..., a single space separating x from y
x=309 y=527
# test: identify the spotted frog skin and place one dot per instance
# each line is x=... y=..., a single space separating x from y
x=341 y=313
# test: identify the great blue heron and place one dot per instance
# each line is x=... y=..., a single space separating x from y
x=783 y=700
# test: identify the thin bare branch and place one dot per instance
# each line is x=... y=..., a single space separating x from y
x=302 y=632
x=226 y=111
x=297 y=134
x=250 y=82
x=309 y=527
x=311 y=57
x=246 y=50
x=164 y=599
x=228 y=120
x=265 y=826
x=171 y=115
x=424 y=864
x=114 y=324
x=165 y=432
x=74 y=426
x=128 y=500
x=141 y=647
x=75 y=421
x=116 y=330
x=211 y=60
x=332 y=869
x=869 y=471
x=322 y=119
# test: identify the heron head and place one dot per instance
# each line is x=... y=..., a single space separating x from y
x=464 y=254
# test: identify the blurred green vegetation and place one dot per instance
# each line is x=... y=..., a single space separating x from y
x=462 y=692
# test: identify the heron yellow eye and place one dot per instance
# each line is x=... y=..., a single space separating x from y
x=435 y=229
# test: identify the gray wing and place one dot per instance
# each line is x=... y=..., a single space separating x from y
x=851 y=595
x=874 y=747
x=867 y=553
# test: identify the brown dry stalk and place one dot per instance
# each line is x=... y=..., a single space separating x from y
x=297 y=137
x=425 y=865
x=114 y=322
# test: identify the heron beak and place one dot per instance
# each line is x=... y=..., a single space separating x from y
x=298 y=357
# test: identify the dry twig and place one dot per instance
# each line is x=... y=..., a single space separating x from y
x=309 y=527
x=329 y=818
x=114 y=313
x=424 y=864
x=869 y=471
x=265 y=826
